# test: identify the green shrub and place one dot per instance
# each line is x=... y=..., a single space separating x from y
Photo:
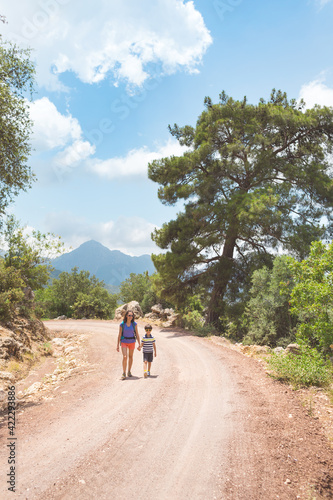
x=99 y=303
x=267 y=311
x=194 y=321
x=312 y=297
x=304 y=369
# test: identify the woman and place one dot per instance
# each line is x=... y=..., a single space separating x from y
x=128 y=333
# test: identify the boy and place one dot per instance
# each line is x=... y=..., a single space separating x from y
x=148 y=345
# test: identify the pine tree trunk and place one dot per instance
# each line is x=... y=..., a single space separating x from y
x=222 y=278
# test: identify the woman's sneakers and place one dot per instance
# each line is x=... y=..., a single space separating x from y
x=123 y=376
x=129 y=374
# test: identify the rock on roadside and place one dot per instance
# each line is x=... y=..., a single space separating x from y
x=130 y=306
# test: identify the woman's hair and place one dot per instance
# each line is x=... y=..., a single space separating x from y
x=126 y=314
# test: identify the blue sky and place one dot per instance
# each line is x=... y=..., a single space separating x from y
x=112 y=75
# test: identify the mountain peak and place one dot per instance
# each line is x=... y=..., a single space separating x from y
x=111 y=266
x=92 y=244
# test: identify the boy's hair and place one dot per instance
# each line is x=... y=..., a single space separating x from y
x=148 y=326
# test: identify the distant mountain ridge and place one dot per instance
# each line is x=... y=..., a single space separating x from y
x=111 y=266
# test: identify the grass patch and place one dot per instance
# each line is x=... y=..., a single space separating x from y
x=47 y=349
x=20 y=369
x=305 y=369
x=330 y=394
x=13 y=367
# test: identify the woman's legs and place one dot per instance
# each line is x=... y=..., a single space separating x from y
x=124 y=350
x=130 y=358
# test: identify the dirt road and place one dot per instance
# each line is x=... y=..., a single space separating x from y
x=208 y=424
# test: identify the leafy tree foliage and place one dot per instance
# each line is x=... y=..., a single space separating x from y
x=11 y=291
x=255 y=178
x=25 y=264
x=135 y=287
x=139 y=287
x=76 y=294
x=99 y=303
x=312 y=297
x=16 y=78
x=267 y=313
x=29 y=255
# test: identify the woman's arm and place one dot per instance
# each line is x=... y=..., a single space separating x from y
x=119 y=337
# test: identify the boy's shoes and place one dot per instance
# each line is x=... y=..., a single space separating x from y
x=148 y=374
x=123 y=376
x=129 y=374
x=145 y=374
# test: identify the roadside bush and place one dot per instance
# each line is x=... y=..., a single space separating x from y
x=312 y=297
x=99 y=303
x=304 y=369
x=138 y=287
x=76 y=294
x=267 y=312
x=143 y=289
x=194 y=321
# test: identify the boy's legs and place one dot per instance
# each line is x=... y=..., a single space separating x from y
x=144 y=366
x=149 y=365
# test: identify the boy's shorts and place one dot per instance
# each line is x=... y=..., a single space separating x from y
x=148 y=356
x=130 y=346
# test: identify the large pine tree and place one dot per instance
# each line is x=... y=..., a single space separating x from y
x=255 y=178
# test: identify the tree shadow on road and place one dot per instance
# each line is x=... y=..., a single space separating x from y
x=20 y=406
x=176 y=332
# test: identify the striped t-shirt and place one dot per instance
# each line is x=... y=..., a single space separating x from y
x=148 y=343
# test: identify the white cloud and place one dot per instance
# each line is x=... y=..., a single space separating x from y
x=316 y=92
x=74 y=153
x=135 y=162
x=322 y=3
x=52 y=129
x=126 y=39
x=62 y=137
x=130 y=235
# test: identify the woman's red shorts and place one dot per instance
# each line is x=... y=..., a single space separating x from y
x=131 y=346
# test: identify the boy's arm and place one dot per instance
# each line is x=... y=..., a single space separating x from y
x=154 y=344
